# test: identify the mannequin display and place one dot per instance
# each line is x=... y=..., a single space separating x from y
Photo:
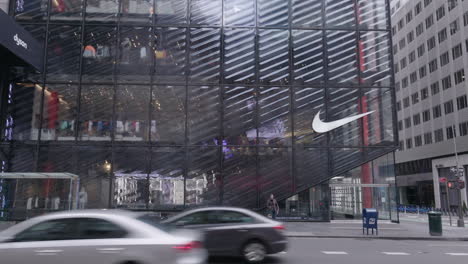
x=55 y=203
x=29 y=203
x=82 y=198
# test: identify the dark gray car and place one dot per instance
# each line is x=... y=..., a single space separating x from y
x=234 y=232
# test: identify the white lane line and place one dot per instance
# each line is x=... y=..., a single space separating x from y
x=335 y=252
x=396 y=253
x=457 y=254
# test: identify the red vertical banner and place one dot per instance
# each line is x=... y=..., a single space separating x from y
x=366 y=169
x=52 y=110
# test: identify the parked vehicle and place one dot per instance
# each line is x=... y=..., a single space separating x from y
x=234 y=232
x=99 y=236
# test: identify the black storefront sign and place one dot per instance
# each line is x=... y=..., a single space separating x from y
x=17 y=46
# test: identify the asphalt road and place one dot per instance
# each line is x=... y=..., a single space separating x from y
x=360 y=251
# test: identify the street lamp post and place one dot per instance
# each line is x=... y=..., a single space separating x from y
x=460 y=221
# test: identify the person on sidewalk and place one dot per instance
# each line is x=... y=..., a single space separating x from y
x=273 y=206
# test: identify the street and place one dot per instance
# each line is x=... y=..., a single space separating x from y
x=354 y=251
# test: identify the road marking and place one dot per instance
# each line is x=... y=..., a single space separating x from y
x=457 y=254
x=335 y=252
x=396 y=253
x=446 y=245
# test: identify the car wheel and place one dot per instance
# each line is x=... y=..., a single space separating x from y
x=254 y=251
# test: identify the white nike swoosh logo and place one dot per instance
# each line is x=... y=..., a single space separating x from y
x=322 y=127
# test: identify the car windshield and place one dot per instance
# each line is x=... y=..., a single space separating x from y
x=154 y=221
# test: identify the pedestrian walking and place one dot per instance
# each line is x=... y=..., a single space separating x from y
x=273 y=207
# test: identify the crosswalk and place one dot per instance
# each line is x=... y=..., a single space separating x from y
x=458 y=254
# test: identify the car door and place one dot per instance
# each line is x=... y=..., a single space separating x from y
x=42 y=243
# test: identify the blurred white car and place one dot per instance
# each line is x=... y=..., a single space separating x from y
x=99 y=236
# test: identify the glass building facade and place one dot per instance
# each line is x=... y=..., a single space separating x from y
x=168 y=104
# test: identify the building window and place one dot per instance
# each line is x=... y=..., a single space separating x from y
x=402 y=43
x=406 y=103
x=465 y=19
x=452 y=4
x=435 y=88
x=410 y=37
x=462 y=102
x=412 y=56
x=451 y=132
x=418 y=9
x=422 y=72
x=439 y=135
x=427 y=2
x=413 y=77
x=395 y=49
x=409 y=143
x=429 y=21
x=409 y=16
x=394 y=31
x=396 y=67
x=447 y=82
x=419 y=29
x=431 y=43
x=403 y=63
x=398 y=105
x=417 y=141
x=426 y=115
x=448 y=107
x=401 y=24
x=397 y=86
x=440 y=13
x=437 y=111
x=401 y=146
x=400 y=125
x=459 y=76
x=404 y=82
x=444 y=59
x=457 y=51
x=427 y=138
x=408 y=122
x=463 y=129
x=421 y=50
x=424 y=93
x=442 y=35
x=454 y=26
x=416 y=119
x=433 y=65
x=415 y=98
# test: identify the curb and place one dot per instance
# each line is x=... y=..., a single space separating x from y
x=383 y=237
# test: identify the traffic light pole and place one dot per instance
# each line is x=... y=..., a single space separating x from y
x=448 y=202
x=460 y=221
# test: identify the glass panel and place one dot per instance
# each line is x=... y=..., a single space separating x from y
x=204 y=115
x=340 y=13
x=274 y=56
x=203 y=182
x=206 y=12
x=311 y=166
x=33 y=10
x=167 y=177
x=239 y=13
x=239 y=177
x=171 y=11
x=372 y=14
x=95 y=169
x=135 y=56
x=131 y=177
x=308 y=102
x=275 y=174
x=63 y=53
x=344 y=103
x=345 y=158
x=375 y=58
x=60 y=112
x=239 y=56
x=307 y=13
x=168 y=114
x=25 y=113
x=136 y=11
x=308 y=63
x=102 y=10
x=239 y=116
x=96 y=113
x=384 y=199
x=67 y=10
x=131 y=113
x=99 y=54
x=378 y=126
x=29 y=74
x=205 y=55
x=274 y=120
x=342 y=59
x=272 y=13
x=171 y=55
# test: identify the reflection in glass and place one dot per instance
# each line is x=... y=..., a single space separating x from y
x=24 y=117
x=375 y=60
x=63 y=53
x=131 y=113
x=342 y=59
x=239 y=116
x=308 y=102
x=60 y=112
x=274 y=56
x=102 y=10
x=135 y=54
x=239 y=13
x=99 y=53
x=136 y=11
x=96 y=113
x=204 y=115
x=274 y=116
x=168 y=114
x=170 y=53
x=307 y=13
x=203 y=182
x=340 y=13
x=206 y=12
x=205 y=55
x=272 y=13
x=31 y=10
x=311 y=165
x=343 y=103
x=239 y=52
x=372 y=14
x=308 y=62
x=67 y=10
x=171 y=12
x=275 y=172
x=378 y=126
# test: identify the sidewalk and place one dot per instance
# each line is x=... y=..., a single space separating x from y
x=406 y=230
